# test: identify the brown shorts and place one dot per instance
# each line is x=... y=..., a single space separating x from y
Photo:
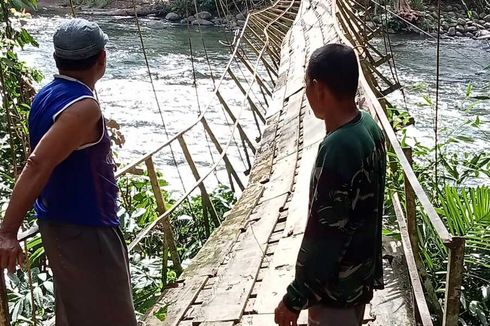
x=325 y=316
x=91 y=275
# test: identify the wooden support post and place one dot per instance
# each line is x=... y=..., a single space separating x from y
x=261 y=82
x=4 y=305
x=273 y=55
x=242 y=133
x=229 y=167
x=411 y=217
x=270 y=69
x=410 y=209
x=204 y=194
x=454 y=278
x=169 y=241
x=244 y=92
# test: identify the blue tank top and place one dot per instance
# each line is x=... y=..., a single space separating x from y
x=82 y=189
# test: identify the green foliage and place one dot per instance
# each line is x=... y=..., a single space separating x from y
x=188 y=7
x=15 y=93
x=465 y=209
x=138 y=209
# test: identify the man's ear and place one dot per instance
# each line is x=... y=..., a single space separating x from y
x=102 y=58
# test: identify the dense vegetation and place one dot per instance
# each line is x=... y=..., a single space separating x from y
x=461 y=196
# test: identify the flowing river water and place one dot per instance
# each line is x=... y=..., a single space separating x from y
x=126 y=94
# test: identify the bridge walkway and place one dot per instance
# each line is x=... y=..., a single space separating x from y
x=242 y=272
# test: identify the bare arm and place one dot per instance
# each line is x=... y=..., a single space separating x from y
x=75 y=127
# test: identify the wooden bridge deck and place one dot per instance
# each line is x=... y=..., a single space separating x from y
x=242 y=272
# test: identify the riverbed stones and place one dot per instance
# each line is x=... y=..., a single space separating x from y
x=240 y=16
x=202 y=22
x=459 y=34
x=486 y=25
x=451 y=31
x=173 y=17
x=468 y=34
x=471 y=29
x=460 y=29
x=204 y=15
x=483 y=34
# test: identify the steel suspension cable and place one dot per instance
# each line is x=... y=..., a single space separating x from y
x=436 y=120
x=212 y=76
x=143 y=48
x=196 y=90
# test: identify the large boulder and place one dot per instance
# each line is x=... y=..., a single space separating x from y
x=173 y=17
x=202 y=22
x=451 y=31
x=460 y=29
x=487 y=18
x=487 y=25
x=204 y=15
x=471 y=29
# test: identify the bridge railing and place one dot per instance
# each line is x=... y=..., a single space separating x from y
x=353 y=31
x=253 y=70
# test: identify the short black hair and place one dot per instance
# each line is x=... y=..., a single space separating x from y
x=76 y=65
x=336 y=66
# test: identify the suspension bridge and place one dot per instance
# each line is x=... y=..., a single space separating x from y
x=242 y=271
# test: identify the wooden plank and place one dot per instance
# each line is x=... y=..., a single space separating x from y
x=313 y=129
x=268 y=320
x=234 y=286
x=176 y=300
x=218 y=245
x=282 y=177
x=262 y=168
x=279 y=275
x=411 y=263
x=298 y=208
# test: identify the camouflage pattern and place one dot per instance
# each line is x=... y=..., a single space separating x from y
x=339 y=262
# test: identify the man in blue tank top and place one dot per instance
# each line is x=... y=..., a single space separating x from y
x=69 y=179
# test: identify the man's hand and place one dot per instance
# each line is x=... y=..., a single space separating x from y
x=10 y=252
x=284 y=316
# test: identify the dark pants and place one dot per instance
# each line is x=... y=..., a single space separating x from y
x=91 y=275
x=325 y=316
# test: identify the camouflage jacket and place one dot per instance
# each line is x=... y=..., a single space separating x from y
x=339 y=262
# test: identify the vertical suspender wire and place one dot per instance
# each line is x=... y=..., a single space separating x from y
x=72 y=8
x=392 y=62
x=212 y=76
x=209 y=64
x=157 y=101
x=194 y=83
x=436 y=120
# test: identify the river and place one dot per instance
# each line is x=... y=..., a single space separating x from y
x=126 y=94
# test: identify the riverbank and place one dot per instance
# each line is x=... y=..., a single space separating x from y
x=456 y=21
x=144 y=8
